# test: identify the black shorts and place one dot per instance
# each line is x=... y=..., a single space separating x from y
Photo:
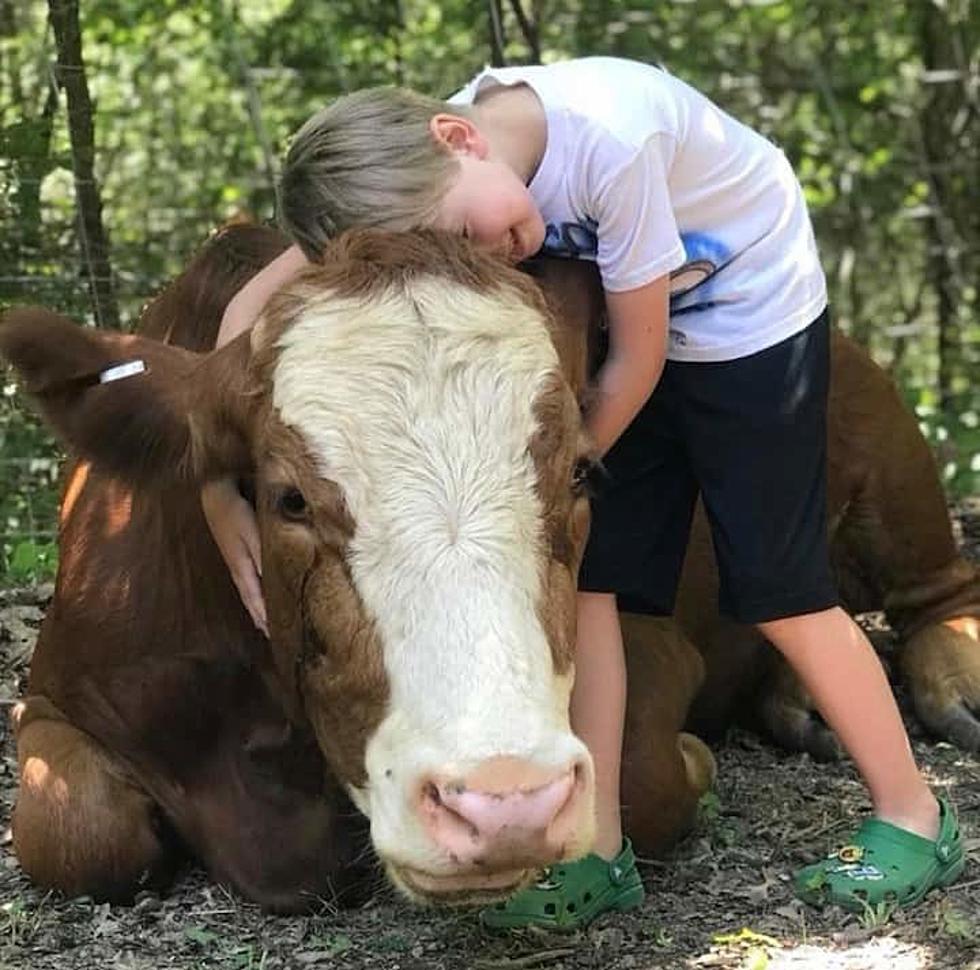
x=751 y=436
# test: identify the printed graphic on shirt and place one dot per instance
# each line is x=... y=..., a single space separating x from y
x=705 y=256
x=571 y=240
x=691 y=285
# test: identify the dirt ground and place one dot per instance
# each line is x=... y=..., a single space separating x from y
x=722 y=900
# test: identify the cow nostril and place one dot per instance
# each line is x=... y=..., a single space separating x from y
x=430 y=793
x=445 y=815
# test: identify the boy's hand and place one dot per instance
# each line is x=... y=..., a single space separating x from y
x=244 y=306
x=235 y=530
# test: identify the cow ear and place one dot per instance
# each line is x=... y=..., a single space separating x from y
x=145 y=411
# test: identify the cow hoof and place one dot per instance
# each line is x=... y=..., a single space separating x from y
x=794 y=724
x=789 y=715
x=941 y=666
x=699 y=763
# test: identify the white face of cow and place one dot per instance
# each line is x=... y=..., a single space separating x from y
x=440 y=540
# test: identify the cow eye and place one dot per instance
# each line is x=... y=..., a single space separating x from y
x=291 y=505
x=583 y=477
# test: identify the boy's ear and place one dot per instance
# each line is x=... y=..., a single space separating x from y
x=144 y=410
x=458 y=134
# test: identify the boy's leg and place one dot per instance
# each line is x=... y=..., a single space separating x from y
x=641 y=520
x=598 y=708
x=762 y=465
x=913 y=844
x=758 y=437
x=840 y=669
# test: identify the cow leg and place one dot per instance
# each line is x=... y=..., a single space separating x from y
x=80 y=824
x=665 y=771
x=894 y=547
x=895 y=551
x=246 y=792
x=941 y=664
x=788 y=713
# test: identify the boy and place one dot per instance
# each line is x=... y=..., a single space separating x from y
x=715 y=297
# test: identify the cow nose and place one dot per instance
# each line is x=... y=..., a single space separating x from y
x=507 y=811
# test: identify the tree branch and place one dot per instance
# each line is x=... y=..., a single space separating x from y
x=529 y=29
x=496 y=34
x=70 y=76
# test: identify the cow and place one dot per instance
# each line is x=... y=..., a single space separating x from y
x=157 y=719
x=418 y=467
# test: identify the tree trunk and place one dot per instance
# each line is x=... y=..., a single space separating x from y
x=529 y=28
x=936 y=127
x=70 y=74
x=497 y=40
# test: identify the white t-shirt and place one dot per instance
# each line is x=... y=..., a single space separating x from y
x=646 y=176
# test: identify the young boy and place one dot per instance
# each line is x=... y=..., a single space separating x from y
x=715 y=299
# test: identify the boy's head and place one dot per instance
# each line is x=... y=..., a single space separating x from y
x=391 y=158
x=367 y=159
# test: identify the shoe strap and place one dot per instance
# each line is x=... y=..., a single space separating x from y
x=875 y=834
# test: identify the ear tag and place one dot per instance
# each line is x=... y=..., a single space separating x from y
x=130 y=369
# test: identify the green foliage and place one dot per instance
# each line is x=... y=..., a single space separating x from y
x=722 y=830
x=709 y=809
x=659 y=938
x=31 y=561
x=875 y=104
x=871 y=917
x=954 y=435
x=956 y=924
x=202 y=937
x=29 y=469
x=332 y=944
x=20 y=922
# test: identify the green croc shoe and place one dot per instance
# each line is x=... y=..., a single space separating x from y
x=572 y=894
x=885 y=864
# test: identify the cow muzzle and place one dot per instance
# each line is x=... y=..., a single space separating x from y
x=498 y=823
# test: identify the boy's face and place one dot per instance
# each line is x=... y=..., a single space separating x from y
x=489 y=204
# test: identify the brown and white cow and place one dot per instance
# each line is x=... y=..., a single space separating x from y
x=153 y=694
x=417 y=457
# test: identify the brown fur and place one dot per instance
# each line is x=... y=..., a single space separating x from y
x=555 y=457
x=116 y=715
x=109 y=826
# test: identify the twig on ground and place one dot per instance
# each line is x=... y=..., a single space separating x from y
x=963 y=885
x=812 y=833
x=528 y=960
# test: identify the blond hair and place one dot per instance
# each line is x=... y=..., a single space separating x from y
x=367 y=159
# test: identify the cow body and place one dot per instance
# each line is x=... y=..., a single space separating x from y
x=158 y=718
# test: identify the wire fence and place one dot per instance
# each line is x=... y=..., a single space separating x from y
x=31 y=461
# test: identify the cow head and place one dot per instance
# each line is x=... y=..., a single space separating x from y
x=417 y=453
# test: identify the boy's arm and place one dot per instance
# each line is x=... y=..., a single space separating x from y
x=245 y=305
x=229 y=516
x=637 y=350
